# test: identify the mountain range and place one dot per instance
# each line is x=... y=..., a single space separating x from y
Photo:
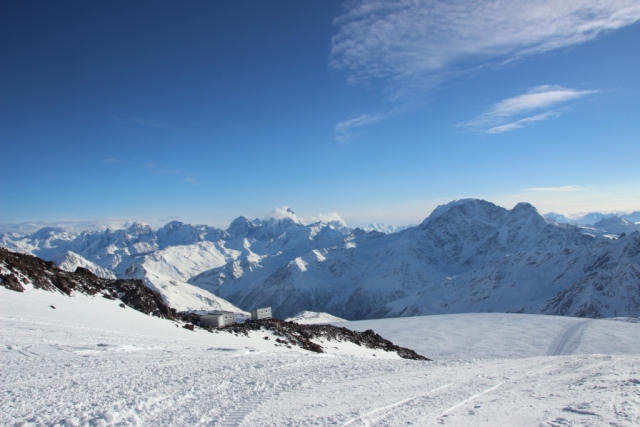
x=467 y=256
x=592 y=218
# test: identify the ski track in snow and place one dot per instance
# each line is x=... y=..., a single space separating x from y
x=568 y=339
x=195 y=388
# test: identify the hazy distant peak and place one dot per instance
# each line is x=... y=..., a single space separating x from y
x=283 y=213
x=140 y=228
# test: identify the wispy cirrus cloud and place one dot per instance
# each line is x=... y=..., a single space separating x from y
x=364 y=119
x=411 y=46
x=344 y=128
x=522 y=122
x=507 y=115
x=414 y=41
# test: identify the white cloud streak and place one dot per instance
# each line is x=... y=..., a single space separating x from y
x=522 y=122
x=500 y=118
x=362 y=120
x=414 y=43
x=540 y=97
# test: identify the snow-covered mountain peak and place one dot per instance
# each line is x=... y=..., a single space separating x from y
x=524 y=214
x=339 y=224
x=279 y=222
x=241 y=227
x=386 y=228
x=139 y=229
x=284 y=214
x=177 y=233
x=525 y=207
x=466 y=211
x=49 y=233
x=614 y=221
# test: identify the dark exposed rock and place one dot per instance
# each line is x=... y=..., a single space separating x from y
x=188 y=326
x=292 y=333
x=18 y=270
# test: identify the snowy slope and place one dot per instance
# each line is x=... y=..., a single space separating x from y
x=90 y=362
x=69 y=261
x=177 y=294
x=313 y=318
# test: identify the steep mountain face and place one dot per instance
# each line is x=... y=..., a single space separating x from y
x=598 y=280
x=177 y=233
x=609 y=286
x=362 y=274
x=468 y=233
x=70 y=261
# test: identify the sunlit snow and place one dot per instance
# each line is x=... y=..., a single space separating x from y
x=91 y=362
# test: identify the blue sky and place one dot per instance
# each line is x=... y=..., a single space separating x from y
x=375 y=110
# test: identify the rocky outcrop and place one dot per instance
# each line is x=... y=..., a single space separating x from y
x=292 y=333
x=20 y=270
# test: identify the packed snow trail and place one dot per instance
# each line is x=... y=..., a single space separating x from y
x=568 y=339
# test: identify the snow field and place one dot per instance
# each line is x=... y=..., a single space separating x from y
x=91 y=363
x=505 y=335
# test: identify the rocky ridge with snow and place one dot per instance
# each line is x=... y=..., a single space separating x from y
x=308 y=336
x=18 y=271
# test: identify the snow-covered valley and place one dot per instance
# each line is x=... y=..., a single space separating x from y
x=91 y=362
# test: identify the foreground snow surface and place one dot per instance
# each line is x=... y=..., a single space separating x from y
x=90 y=362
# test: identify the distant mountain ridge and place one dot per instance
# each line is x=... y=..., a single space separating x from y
x=592 y=218
x=468 y=255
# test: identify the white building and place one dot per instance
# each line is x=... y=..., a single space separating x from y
x=218 y=319
x=261 y=313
